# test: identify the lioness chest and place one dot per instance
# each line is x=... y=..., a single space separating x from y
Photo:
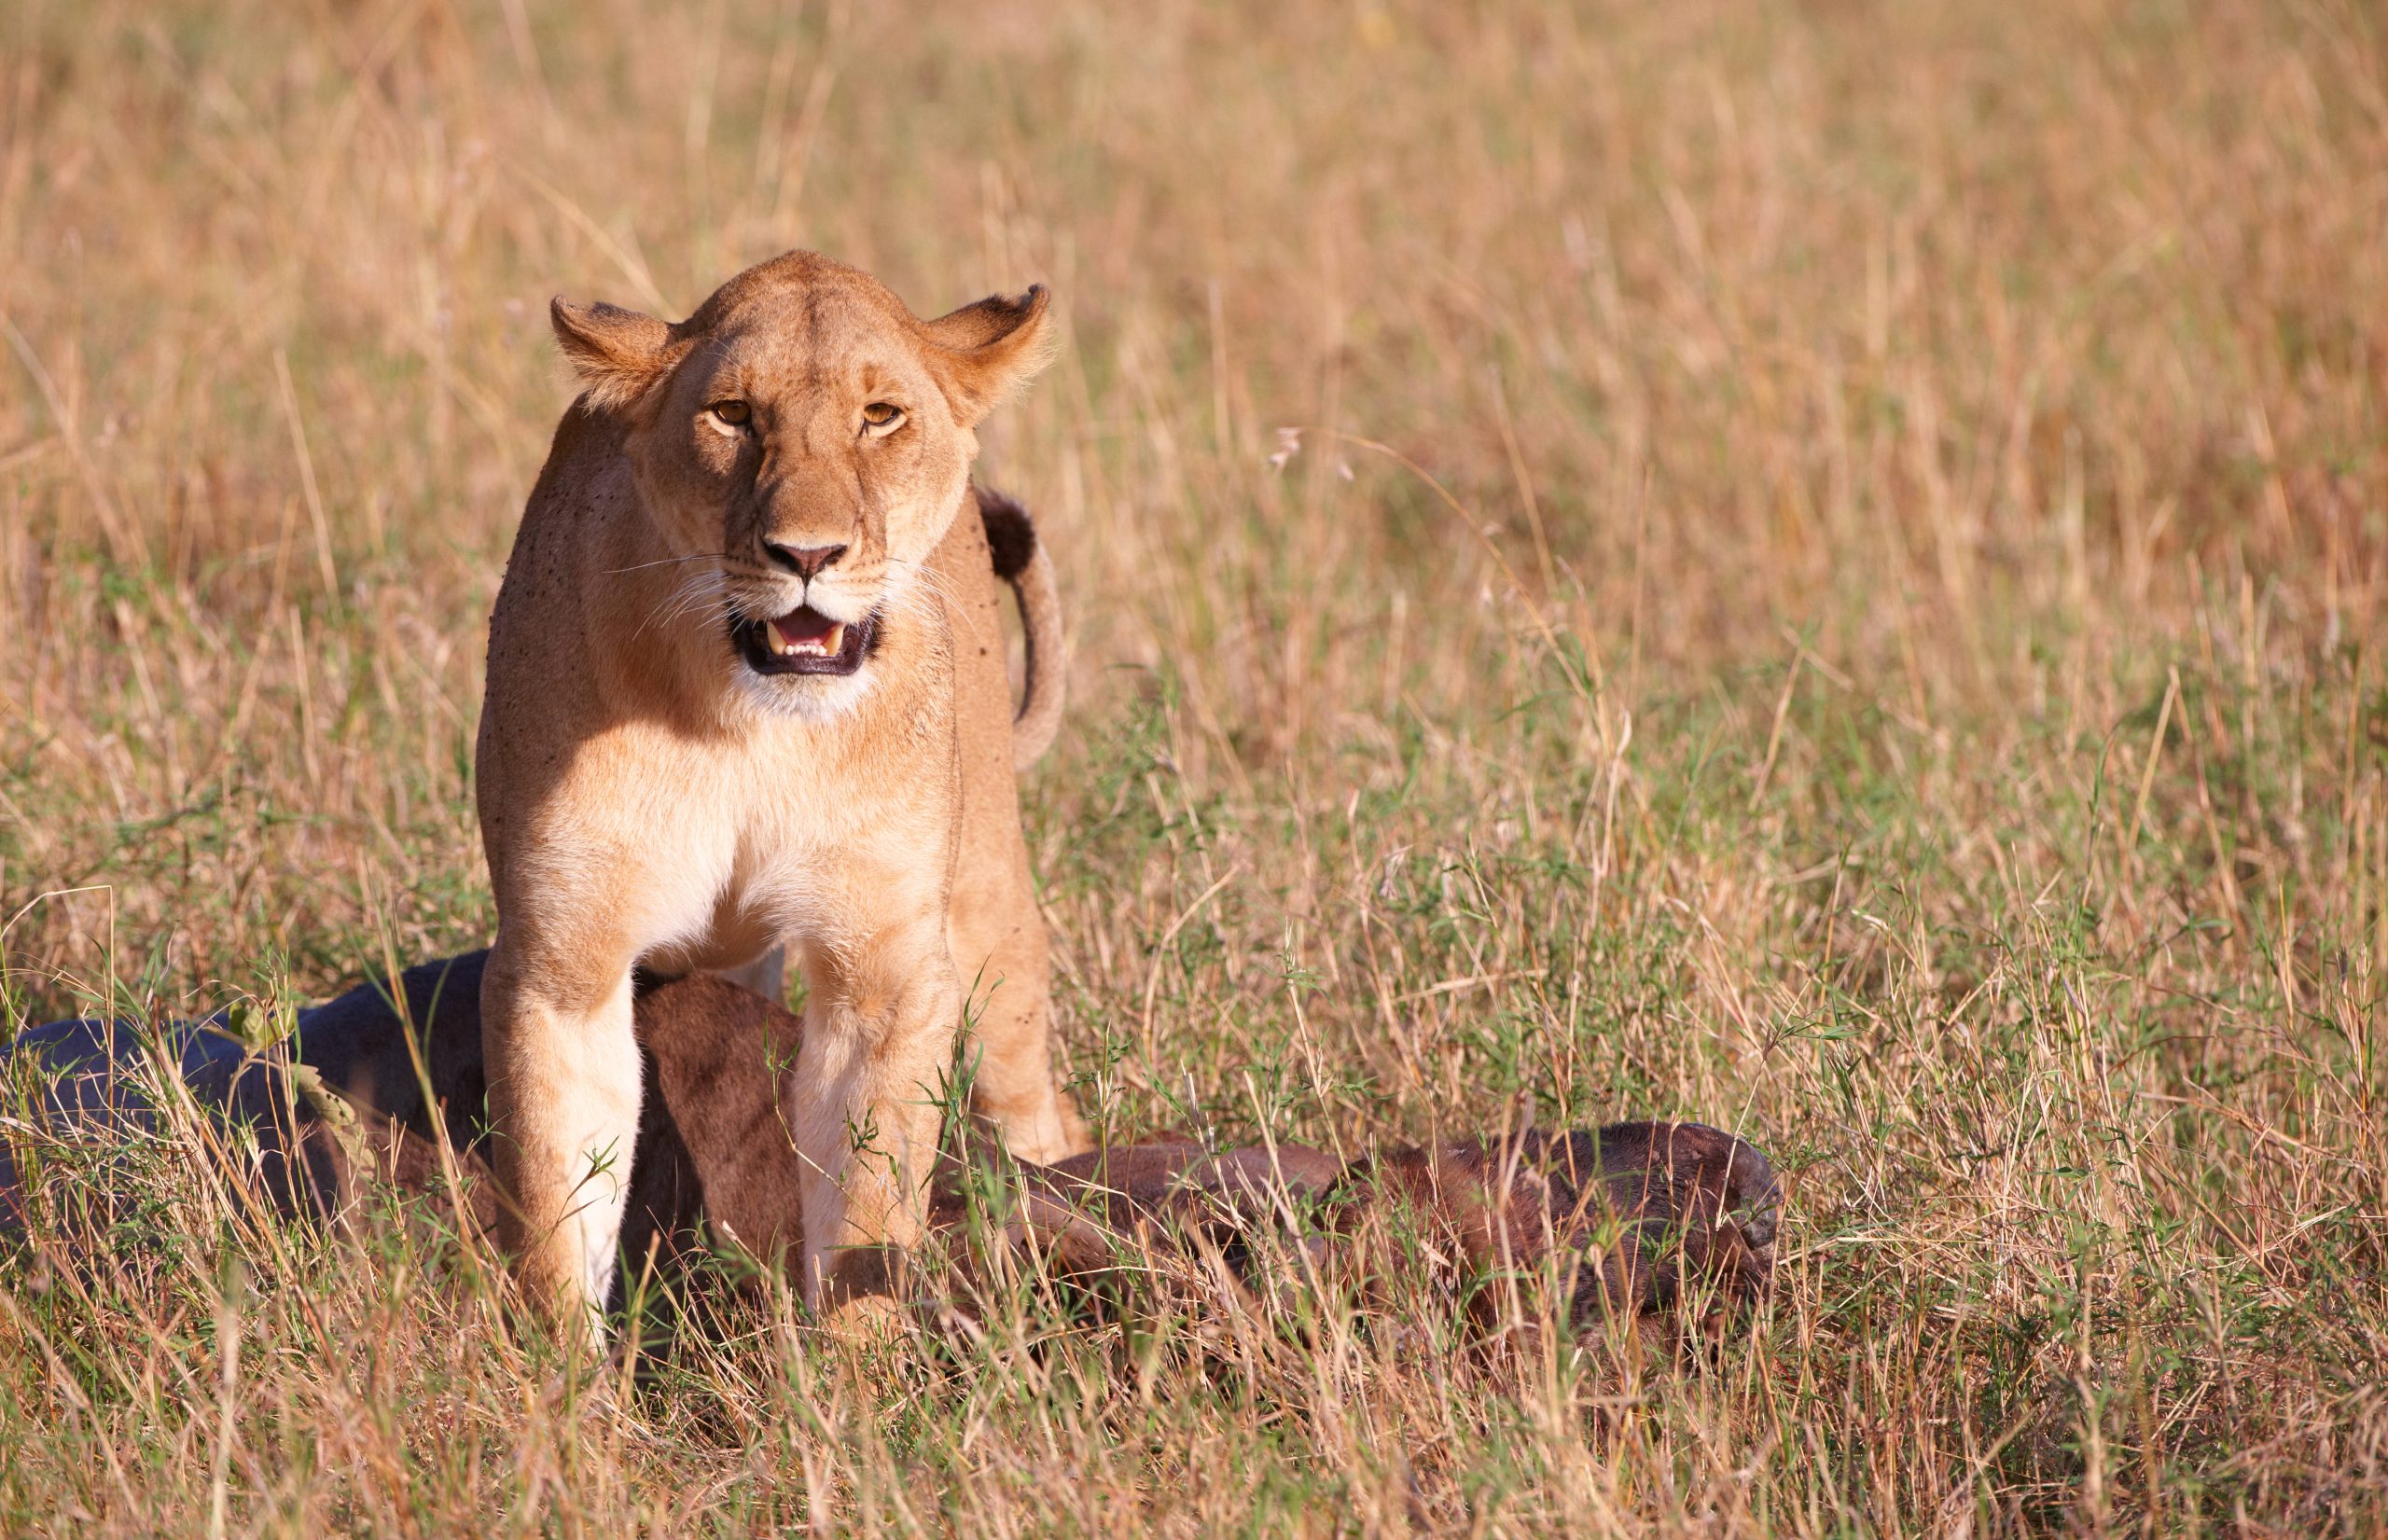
x=703 y=852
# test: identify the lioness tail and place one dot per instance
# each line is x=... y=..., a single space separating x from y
x=1019 y=559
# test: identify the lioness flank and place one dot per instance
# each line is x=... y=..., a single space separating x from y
x=746 y=689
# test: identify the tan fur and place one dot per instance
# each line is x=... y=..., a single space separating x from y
x=648 y=797
x=1021 y=561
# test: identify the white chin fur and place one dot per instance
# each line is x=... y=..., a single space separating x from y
x=815 y=696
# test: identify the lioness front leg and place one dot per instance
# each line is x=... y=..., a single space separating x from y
x=877 y=1038
x=563 y=1096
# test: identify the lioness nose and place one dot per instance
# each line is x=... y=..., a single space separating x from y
x=806 y=562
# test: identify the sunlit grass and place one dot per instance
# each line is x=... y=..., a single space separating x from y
x=1869 y=636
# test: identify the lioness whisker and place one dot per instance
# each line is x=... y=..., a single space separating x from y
x=669 y=560
x=922 y=571
x=685 y=596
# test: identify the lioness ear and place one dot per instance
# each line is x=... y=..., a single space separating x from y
x=617 y=352
x=984 y=352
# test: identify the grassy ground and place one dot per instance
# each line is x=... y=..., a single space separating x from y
x=1831 y=582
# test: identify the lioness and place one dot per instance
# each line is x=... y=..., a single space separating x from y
x=746 y=687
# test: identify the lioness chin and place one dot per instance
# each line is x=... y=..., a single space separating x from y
x=746 y=689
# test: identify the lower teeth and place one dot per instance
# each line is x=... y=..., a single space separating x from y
x=810 y=646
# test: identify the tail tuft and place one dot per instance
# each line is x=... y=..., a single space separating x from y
x=1019 y=559
x=1011 y=534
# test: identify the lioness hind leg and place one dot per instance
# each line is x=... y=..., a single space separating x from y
x=564 y=1086
x=996 y=934
x=999 y=945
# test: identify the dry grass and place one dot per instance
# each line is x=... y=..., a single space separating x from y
x=1898 y=674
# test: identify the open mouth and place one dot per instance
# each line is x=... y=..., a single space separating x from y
x=804 y=641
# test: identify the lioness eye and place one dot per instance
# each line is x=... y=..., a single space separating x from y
x=733 y=413
x=880 y=414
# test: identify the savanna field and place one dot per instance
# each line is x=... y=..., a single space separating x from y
x=1820 y=568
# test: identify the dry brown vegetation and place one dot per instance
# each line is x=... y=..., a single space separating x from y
x=1832 y=583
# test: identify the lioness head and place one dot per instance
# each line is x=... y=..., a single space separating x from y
x=802 y=442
